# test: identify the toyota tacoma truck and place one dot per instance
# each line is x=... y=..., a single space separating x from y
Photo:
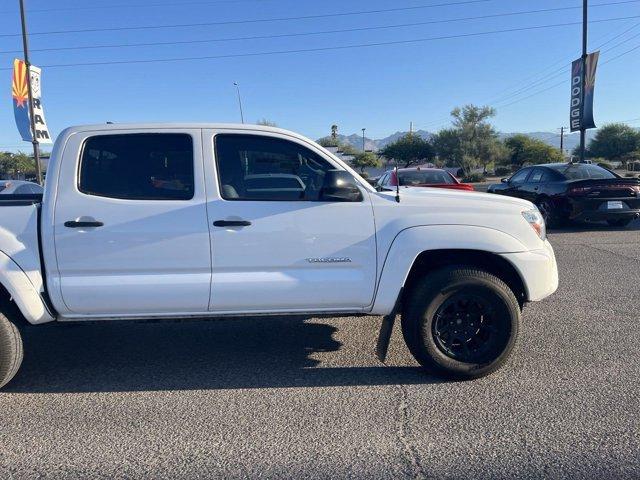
x=149 y=221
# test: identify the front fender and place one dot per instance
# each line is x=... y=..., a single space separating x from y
x=411 y=242
x=26 y=296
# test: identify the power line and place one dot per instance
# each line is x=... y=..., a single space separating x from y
x=266 y=20
x=320 y=49
x=554 y=74
x=300 y=34
x=326 y=15
x=135 y=5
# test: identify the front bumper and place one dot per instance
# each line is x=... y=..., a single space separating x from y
x=538 y=270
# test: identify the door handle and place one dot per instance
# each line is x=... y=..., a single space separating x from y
x=231 y=223
x=81 y=224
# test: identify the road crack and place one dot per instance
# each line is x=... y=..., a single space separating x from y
x=410 y=453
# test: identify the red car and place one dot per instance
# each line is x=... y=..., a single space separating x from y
x=421 y=177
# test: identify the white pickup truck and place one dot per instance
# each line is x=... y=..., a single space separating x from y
x=149 y=221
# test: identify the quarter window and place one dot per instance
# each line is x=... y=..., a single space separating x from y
x=253 y=167
x=148 y=166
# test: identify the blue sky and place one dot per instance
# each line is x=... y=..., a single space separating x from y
x=381 y=88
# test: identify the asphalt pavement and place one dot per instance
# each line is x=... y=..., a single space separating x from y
x=306 y=397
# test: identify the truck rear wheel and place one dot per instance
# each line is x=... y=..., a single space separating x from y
x=461 y=322
x=10 y=349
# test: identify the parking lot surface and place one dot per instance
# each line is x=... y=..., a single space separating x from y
x=306 y=398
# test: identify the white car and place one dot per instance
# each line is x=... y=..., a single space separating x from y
x=149 y=221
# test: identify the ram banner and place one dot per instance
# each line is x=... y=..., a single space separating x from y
x=20 y=94
x=581 y=109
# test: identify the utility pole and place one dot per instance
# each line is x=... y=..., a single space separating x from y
x=363 y=149
x=411 y=128
x=34 y=140
x=239 y=101
x=582 y=86
x=562 y=140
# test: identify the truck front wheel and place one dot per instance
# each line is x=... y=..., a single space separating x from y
x=460 y=322
x=10 y=350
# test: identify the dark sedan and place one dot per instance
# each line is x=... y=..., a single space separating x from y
x=575 y=191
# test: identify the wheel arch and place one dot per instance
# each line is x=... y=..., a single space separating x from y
x=16 y=287
x=418 y=250
x=431 y=260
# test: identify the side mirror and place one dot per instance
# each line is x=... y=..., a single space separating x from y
x=340 y=186
x=504 y=180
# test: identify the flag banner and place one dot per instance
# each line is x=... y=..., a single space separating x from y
x=20 y=94
x=581 y=108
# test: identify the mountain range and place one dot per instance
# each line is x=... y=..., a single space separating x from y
x=571 y=140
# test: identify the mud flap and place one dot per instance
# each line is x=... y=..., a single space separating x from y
x=384 y=337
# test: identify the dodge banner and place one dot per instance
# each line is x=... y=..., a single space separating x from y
x=581 y=109
x=20 y=94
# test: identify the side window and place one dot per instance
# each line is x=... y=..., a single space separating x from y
x=147 y=166
x=520 y=176
x=538 y=175
x=253 y=167
x=383 y=179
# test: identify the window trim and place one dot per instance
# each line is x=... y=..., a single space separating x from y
x=151 y=199
x=257 y=134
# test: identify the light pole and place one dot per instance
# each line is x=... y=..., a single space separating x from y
x=363 y=139
x=239 y=101
x=27 y=64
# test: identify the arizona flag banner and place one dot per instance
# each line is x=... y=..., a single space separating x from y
x=20 y=95
x=581 y=110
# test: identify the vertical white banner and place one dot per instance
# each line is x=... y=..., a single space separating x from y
x=42 y=131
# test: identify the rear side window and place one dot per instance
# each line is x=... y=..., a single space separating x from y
x=584 y=172
x=538 y=176
x=148 y=166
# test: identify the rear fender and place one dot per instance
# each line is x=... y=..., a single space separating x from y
x=22 y=291
x=411 y=242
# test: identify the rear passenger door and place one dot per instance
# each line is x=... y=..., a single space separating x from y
x=276 y=245
x=130 y=225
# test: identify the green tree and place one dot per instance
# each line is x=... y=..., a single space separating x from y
x=525 y=149
x=409 y=150
x=446 y=145
x=472 y=141
x=614 y=141
x=328 y=142
x=365 y=159
x=12 y=164
x=267 y=123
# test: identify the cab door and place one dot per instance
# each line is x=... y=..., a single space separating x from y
x=275 y=244
x=130 y=228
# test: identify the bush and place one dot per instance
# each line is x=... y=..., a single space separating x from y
x=473 y=177
x=630 y=175
x=502 y=171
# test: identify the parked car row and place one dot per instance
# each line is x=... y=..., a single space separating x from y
x=420 y=177
x=575 y=191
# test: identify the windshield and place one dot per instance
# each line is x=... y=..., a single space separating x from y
x=583 y=172
x=422 y=177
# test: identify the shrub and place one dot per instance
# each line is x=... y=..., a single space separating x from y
x=630 y=175
x=502 y=171
x=473 y=177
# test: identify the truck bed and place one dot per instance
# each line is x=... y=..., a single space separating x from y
x=19 y=200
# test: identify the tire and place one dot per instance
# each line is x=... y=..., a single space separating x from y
x=620 y=222
x=489 y=339
x=551 y=217
x=10 y=349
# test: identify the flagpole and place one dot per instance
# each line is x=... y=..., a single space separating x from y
x=584 y=75
x=34 y=140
